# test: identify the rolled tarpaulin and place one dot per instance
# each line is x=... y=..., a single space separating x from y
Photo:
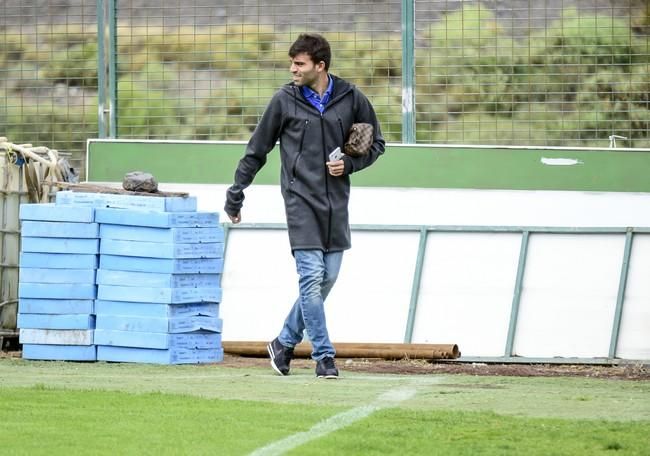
x=354 y=350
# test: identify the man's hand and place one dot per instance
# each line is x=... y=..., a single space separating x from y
x=235 y=218
x=336 y=168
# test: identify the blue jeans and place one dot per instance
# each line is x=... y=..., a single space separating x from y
x=317 y=272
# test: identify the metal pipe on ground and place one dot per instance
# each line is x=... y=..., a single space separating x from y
x=354 y=350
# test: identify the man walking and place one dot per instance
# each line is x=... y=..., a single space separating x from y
x=311 y=117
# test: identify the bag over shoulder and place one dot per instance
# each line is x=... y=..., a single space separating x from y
x=359 y=139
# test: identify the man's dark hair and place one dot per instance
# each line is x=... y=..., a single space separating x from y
x=315 y=45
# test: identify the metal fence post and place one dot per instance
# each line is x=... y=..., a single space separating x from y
x=620 y=297
x=516 y=297
x=101 y=71
x=408 y=71
x=112 y=65
x=415 y=285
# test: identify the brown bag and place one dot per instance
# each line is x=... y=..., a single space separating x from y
x=359 y=140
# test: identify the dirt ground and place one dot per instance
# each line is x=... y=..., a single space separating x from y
x=623 y=372
x=423 y=367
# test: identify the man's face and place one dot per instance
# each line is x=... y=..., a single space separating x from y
x=304 y=71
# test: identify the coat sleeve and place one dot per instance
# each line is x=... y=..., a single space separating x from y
x=365 y=113
x=262 y=141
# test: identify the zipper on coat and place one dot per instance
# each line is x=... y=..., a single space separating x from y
x=327 y=189
x=341 y=128
x=302 y=141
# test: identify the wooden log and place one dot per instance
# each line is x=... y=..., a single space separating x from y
x=95 y=188
x=354 y=350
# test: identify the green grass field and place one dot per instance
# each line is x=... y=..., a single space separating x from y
x=99 y=408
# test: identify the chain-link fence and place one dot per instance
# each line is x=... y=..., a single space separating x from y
x=206 y=71
x=48 y=73
x=551 y=73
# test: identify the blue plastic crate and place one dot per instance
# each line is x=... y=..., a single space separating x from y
x=60 y=245
x=57 y=290
x=60 y=352
x=192 y=341
x=59 y=229
x=56 y=306
x=140 y=202
x=52 y=321
x=59 y=260
x=53 y=275
x=50 y=212
x=158 y=295
x=159 y=325
x=170 y=235
x=154 y=356
x=157 y=219
x=167 y=265
x=153 y=279
x=56 y=336
x=140 y=309
x=161 y=249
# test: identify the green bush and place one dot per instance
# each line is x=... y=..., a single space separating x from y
x=615 y=102
x=477 y=128
x=12 y=48
x=229 y=47
x=587 y=41
x=61 y=36
x=149 y=107
x=470 y=59
x=231 y=112
x=367 y=61
x=41 y=122
x=387 y=102
x=568 y=52
x=75 y=66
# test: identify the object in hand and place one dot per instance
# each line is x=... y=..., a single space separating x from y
x=336 y=155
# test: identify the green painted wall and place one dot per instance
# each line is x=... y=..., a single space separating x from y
x=623 y=170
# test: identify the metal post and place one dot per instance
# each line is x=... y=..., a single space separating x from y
x=516 y=298
x=101 y=71
x=408 y=71
x=415 y=287
x=112 y=65
x=620 y=298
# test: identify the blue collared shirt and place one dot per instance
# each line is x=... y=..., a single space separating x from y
x=313 y=97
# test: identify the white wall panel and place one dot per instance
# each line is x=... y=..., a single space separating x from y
x=259 y=282
x=366 y=304
x=466 y=291
x=569 y=295
x=370 y=301
x=440 y=206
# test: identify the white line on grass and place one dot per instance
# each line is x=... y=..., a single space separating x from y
x=389 y=398
x=321 y=429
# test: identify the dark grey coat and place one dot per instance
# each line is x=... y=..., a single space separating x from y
x=316 y=203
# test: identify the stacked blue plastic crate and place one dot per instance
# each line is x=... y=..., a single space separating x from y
x=56 y=291
x=159 y=285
